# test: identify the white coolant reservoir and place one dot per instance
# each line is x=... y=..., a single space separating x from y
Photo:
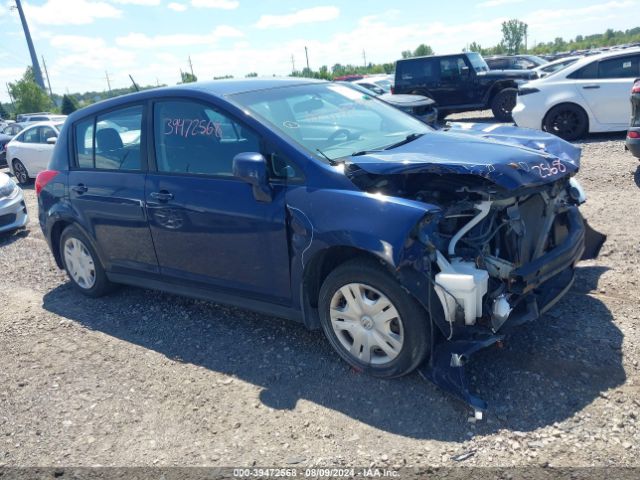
x=466 y=283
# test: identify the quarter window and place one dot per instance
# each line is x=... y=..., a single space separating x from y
x=191 y=137
x=110 y=141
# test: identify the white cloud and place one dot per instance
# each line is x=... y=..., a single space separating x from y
x=149 y=3
x=497 y=3
x=220 y=4
x=76 y=43
x=70 y=12
x=307 y=15
x=177 y=7
x=141 y=40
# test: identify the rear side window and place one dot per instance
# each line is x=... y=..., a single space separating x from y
x=416 y=70
x=47 y=132
x=191 y=137
x=621 y=67
x=32 y=135
x=110 y=141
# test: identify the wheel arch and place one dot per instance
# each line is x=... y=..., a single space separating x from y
x=562 y=103
x=498 y=87
x=319 y=267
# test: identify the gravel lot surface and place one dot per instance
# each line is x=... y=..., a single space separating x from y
x=142 y=378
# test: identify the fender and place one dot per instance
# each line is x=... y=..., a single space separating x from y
x=496 y=87
x=322 y=219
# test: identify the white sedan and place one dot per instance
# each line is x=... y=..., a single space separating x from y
x=591 y=95
x=29 y=152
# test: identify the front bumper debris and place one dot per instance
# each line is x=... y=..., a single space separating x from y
x=445 y=368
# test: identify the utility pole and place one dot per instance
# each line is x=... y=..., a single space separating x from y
x=46 y=73
x=306 y=54
x=106 y=75
x=293 y=63
x=191 y=66
x=364 y=56
x=32 y=51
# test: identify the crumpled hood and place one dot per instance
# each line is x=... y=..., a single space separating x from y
x=507 y=165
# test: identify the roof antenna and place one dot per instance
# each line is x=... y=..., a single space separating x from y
x=134 y=83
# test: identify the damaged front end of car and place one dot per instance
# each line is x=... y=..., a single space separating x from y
x=500 y=250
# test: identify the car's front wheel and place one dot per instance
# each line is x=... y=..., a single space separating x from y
x=371 y=322
x=20 y=171
x=503 y=104
x=82 y=264
x=568 y=121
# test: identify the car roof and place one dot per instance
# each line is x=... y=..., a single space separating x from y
x=47 y=123
x=218 y=88
x=581 y=62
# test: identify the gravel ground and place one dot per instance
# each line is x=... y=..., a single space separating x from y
x=142 y=378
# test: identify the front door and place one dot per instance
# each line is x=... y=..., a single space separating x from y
x=106 y=188
x=608 y=94
x=207 y=227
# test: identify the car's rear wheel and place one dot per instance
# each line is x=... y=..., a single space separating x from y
x=371 y=322
x=82 y=264
x=503 y=104
x=20 y=171
x=567 y=121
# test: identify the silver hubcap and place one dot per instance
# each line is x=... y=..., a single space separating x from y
x=366 y=323
x=79 y=263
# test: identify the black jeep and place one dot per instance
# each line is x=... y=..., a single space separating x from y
x=461 y=83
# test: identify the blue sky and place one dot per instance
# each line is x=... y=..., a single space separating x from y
x=152 y=39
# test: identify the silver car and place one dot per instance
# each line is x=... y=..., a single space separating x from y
x=13 y=211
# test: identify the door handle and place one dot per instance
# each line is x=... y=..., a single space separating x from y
x=591 y=87
x=162 y=196
x=80 y=188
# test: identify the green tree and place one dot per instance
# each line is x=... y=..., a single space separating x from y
x=514 y=34
x=28 y=96
x=188 y=77
x=69 y=105
x=251 y=75
x=407 y=54
x=3 y=113
x=423 y=50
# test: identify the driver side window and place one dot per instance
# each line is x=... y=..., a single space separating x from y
x=192 y=137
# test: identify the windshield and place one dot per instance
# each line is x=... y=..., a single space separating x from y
x=331 y=120
x=478 y=63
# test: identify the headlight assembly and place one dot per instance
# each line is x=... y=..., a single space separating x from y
x=8 y=188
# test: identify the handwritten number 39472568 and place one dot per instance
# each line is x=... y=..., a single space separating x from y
x=186 y=127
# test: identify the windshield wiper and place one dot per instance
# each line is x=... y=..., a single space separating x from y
x=409 y=138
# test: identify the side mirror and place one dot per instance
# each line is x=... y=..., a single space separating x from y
x=51 y=140
x=252 y=168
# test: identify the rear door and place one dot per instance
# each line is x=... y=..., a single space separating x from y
x=606 y=89
x=455 y=86
x=106 y=187
x=207 y=226
x=44 y=150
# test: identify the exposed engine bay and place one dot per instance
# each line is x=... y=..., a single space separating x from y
x=496 y=258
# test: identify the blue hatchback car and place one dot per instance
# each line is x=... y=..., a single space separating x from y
x=310 y=200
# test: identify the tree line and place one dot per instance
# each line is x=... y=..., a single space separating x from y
x=27 y=96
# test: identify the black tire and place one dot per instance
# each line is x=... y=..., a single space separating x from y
x=102 y=285
x=20 y=172
x=503 y=104
x=567 y=121
x=412 y=317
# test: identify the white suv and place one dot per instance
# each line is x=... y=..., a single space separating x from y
x=592 y=95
